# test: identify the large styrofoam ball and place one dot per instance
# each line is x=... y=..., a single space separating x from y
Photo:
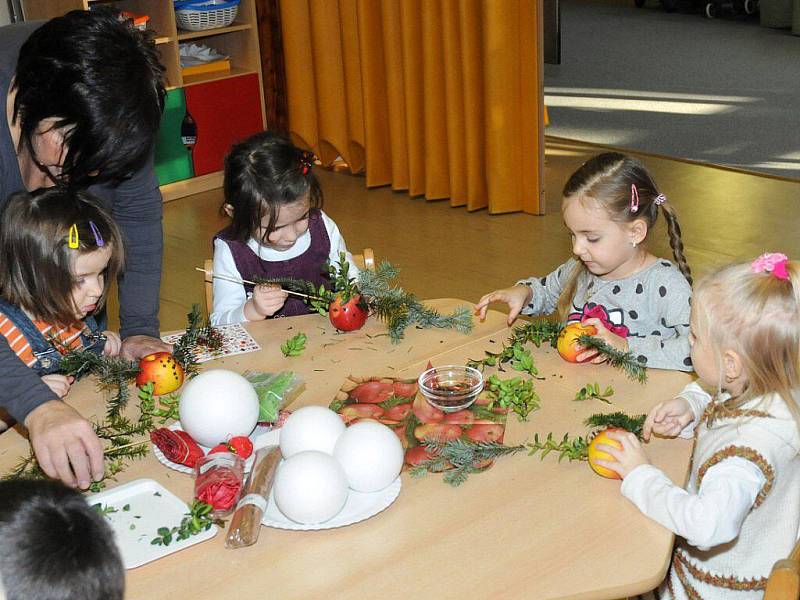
x=311 y=428
x=310 y=487
x=218 y=404
x=371 y=455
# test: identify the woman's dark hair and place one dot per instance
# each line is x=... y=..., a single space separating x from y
x=35 y=257
x=58 y=547
x=262 y=173
x=100 y=79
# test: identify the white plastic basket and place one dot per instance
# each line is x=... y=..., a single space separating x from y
x=205 y=14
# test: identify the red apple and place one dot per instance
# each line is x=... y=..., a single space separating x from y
x=425 y=412
x=372 y=392
x=350 y=315
x=163 y=370
x=399 y=412
x=437 y=431
x=485 y=433
x=405 y=390
x=359 y=411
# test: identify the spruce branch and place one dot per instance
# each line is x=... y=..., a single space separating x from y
x=625 y=361
x=634 y=423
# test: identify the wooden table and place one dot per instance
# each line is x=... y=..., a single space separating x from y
x=527 y=528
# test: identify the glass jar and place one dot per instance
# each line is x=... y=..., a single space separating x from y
x=218 y=481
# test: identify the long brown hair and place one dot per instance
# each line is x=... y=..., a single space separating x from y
x=607 y=178
x=35 y=257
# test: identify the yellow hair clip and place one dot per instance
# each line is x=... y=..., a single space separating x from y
x=73 y=237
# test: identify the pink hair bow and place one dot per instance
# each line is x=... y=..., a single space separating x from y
x=771 y=262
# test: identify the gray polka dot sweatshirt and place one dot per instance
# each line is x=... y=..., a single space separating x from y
x=651 y=306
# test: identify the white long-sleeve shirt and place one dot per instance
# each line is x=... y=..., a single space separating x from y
x=230 y=298
x=715 y=513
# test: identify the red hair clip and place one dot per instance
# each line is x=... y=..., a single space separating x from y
x=306 y=162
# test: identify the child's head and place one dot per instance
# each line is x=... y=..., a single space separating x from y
x=58 y=249
x=746 y=328
x=57 y=546
x=269 y=189
x=610 y=205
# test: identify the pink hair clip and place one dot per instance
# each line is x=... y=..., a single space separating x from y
x=771 y=262
x=660 y=199
x=634 y=198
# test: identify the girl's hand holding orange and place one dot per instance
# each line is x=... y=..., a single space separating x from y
x=667 y=419
x=626 y=459
x=610 y=338
x=516 y=297
x=266 y=301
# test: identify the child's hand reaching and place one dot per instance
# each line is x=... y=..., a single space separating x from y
x=113 y=344
x=60 y=384
x=609 y=337
x=628 y=458
x=668 y=419
x=266 y=301
x=516 y=297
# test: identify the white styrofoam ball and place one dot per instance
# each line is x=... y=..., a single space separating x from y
x=311 y=428
x=310 y=487
x=218 y=404
x=371 y=455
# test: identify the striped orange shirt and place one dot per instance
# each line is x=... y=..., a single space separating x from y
x=69 y=337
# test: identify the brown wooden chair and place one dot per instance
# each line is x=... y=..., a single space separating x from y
x=365 y=260
x=784 y=580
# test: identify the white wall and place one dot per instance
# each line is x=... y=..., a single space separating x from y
x=5 y=19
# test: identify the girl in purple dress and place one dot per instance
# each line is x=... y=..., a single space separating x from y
x=277 y=229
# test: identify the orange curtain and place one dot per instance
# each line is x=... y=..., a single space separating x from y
x=442 y=98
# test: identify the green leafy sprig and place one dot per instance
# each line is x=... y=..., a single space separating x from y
x=295 y=345
x=459 y=458
x=624 y=361
x=197 y=520
x=515 y=394
x=401 y=309
x=593 y=391
x=535 y=332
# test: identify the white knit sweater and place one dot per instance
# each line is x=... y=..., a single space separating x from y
x=747 y=464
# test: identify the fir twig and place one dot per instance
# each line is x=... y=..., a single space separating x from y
x=634 y=424
x=625 y=361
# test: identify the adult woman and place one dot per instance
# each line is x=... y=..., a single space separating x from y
x=83 y=104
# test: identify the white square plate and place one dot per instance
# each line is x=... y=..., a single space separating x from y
x=140 y=508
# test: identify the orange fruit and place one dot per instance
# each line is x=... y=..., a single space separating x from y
x=594 y=454
x=568 y=339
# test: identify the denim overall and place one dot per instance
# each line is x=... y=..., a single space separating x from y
x=48 y=358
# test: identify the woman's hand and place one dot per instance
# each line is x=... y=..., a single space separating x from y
x=137 y=346
x=516 y=297
x=626 y=459
x=65 y=444
x=113 y=344
x=267 y=299
x=60 y=384
x=610 y=338
x=667 y=419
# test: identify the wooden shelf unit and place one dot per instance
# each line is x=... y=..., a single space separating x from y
x=239 y=41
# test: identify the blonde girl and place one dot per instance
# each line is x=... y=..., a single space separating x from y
x=741 y=509
x=637 y=301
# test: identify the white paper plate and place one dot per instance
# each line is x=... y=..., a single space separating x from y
x=257 y=435
x=141 y=508
x=359 y=506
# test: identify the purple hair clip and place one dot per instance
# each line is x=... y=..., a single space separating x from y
x=97 y=237
x=771 y=262
x=660 y=199
x=634 y=198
